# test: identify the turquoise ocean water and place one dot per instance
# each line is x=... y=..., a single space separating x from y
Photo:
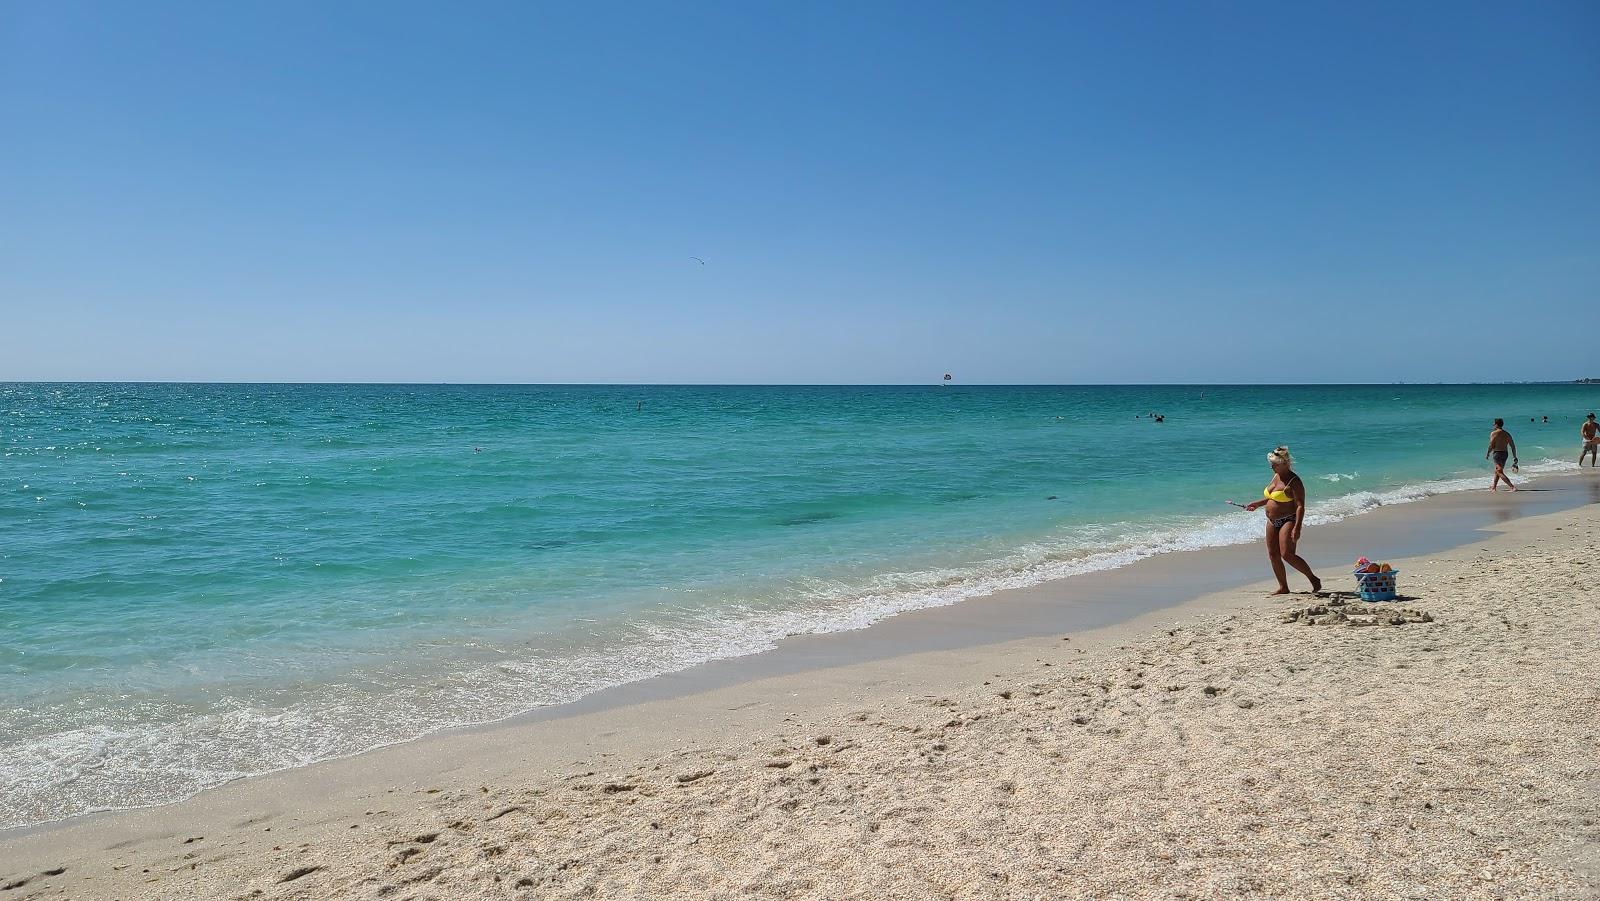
x=200 y=582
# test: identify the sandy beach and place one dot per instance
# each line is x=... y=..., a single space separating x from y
x=1236 y=744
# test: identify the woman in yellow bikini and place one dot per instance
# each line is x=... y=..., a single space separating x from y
x=1285 y=500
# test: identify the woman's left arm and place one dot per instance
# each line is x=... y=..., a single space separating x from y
x=1298 y=492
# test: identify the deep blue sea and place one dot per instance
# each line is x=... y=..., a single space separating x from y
x=200 y=582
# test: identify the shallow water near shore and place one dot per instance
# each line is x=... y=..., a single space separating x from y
x=201 y=582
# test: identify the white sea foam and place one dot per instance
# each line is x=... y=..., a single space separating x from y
x=166 y=752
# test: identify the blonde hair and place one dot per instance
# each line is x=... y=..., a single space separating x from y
x=1280 y=454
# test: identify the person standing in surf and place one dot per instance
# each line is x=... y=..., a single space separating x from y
x=1285 y=500
x=1590 y=433
x=1500 y=447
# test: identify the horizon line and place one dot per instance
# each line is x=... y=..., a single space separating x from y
x=940 y=384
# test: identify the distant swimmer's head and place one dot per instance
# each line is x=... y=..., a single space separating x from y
x=1280 y=457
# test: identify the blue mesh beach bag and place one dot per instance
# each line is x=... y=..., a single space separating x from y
x=1377 y=586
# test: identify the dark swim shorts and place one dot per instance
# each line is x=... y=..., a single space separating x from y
x=1500 y=458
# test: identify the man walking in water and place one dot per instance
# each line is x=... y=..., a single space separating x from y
x=1591 y=442
x=1499 y=443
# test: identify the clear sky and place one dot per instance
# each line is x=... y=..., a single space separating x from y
x=1060 y=192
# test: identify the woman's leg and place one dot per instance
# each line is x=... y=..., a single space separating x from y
x=1286 y=550
x=1275 y=555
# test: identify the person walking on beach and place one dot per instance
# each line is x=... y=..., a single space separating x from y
x=1591 y=442
x=1501 y=446
x=1285 y=500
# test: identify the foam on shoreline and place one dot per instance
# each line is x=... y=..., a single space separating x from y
x=106 y=767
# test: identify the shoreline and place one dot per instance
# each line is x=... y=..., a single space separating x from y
x=1095 y=596
x=1105 y=598
x=806 y=678
x=1094 y=599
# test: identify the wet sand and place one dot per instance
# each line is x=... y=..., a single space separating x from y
x=1164 y=788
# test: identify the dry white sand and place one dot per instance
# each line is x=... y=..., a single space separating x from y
x=1229 y=754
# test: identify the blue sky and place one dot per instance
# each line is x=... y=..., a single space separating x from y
x=1139 y=192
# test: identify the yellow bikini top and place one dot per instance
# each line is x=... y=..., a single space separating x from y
x=1282 y=495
